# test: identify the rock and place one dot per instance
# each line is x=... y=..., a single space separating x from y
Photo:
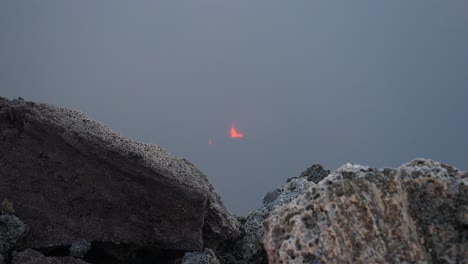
x=314 y=173
x=79 y=248
x=363 y=215
x=2 y=259
x=249 y=247
x=11 y=229
x=30 y=256
x=7 y=207
x=86 y=182
x=200 y=257
x=462 y=215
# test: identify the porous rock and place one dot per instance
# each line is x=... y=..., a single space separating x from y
x=79 y=248
x=200 y=257
x=11 y=229
x=248 y=248
x=30 y=256
x=363 y=215
x=71 y=178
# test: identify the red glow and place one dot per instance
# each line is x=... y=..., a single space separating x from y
x=210 y=142
x=235 y=133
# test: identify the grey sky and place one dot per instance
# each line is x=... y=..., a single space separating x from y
x=370 y=82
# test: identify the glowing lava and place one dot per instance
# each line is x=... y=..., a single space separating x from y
x=235 y=133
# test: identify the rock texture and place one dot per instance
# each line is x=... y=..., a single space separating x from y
x=201 y=257
x=72 y=179
x=80 y=248
x=412 y=214
x=248 y=248
x=30 y=256
x=11 y=229
x=85 y=194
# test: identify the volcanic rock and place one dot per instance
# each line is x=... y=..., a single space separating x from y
x=30 y=256
x=200 y=257
x=11 y=229
x=248 y=248
x=72 y=179
x=80 y=248
x=412 y=214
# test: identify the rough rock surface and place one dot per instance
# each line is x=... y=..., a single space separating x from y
x=80 y=248
x=248 y=248
x=201 y=257
x=11 y=229
x=412 y=214
x=30 y=256
x=86 y=182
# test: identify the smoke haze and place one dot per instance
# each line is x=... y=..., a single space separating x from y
x=371 y=82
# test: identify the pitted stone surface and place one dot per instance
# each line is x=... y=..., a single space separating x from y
x=248 y=248
x=363 y=215
x=11 y=229
x=86 y=181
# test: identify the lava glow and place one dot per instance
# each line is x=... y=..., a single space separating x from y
x=235 y=133
x=210 y=142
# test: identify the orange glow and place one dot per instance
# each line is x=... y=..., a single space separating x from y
x=235 y=133
x=210 y=142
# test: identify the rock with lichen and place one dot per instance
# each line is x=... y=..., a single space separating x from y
x=413 y=214
x=248 y=248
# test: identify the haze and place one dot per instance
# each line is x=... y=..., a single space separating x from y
x=370 y=82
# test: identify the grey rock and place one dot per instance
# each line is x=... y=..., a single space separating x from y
x=11 y=229
x=249 y=247
x=30 y=256
x=363 y=215
x=85 y=180
x=2 y=259
x=314 y=173
x=79 y=248
x=201 y=257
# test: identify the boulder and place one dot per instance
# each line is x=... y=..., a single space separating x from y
x=30 y=256
x=71 y=179
x=248 y=248
x=412 y=214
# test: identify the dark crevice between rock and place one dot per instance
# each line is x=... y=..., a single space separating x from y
x=56 y=251
x=112 y=253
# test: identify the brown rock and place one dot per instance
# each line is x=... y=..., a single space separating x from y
x=462 y=215
x=362 y=215
x=71 y=178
